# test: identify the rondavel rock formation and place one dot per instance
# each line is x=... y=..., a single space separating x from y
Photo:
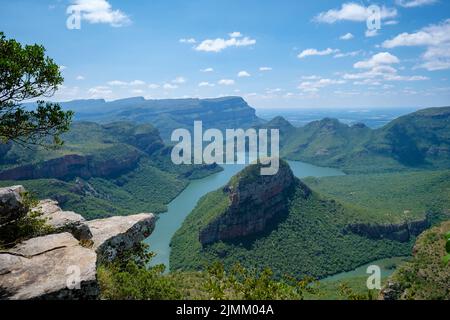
x=255 y=201
x=47 y=267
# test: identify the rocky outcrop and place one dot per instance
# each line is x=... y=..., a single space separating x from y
x=254 y=202
x=63 y=265
x=401 y=232
x=71 y=166
x=11 y=205
x=63 y=221
x=41 y=268
x=117 y=234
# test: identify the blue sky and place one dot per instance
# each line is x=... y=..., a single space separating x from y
x=287 y=54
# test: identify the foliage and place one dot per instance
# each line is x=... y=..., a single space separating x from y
x=347 y=292
x=249 y=284
x=29 y=226
x=425 y=277
x=129 y=278
x=446 y=259
x=26 y=73
x=390 y=197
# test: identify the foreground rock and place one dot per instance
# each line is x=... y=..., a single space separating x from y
x=41 y=268
x=117 y=234
x=11 y=205
x=63 y=221
x=63 y=265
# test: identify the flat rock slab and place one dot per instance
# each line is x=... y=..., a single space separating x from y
x=117 y=234
x=45 y=268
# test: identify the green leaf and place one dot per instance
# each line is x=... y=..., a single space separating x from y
x=447 y=246
x=448 y=235
x=446 y=259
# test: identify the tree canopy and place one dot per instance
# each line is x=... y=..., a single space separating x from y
x=26 y=73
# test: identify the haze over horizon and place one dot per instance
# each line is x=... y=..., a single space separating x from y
x=298 y=55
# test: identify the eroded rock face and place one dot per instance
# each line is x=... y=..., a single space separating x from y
x=47 y=267
x=71 y=166
x=255 y=201
x=40 y=268
x=11 y=205
x=399 y=232
x=117 y=234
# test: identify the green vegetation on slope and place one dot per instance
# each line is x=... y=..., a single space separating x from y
x=145 y=186
x=418 y=140
x=390 y=197
x=310 y=241
x=426 y=277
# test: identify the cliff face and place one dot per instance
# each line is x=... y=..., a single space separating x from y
x=71 y=166
x=399 y=232
x=255 y=201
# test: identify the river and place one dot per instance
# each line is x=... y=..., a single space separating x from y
x=169 y=222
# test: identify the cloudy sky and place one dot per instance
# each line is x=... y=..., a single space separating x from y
x=286 y=53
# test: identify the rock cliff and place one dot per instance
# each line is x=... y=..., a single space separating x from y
x=62 y=265
x=254 y=202
x=71 y=166
x=399 y=232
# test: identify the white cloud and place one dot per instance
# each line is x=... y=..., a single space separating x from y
x=382 y=58
x=315 y=52
x=379 y=68
x=243 y=74
x=62 y=68
x=137 y=91
x=436 y=38
x=433 y=35
x=219 y=44
x=117 y=83
x=100 y=91
x=353 y=12
x=99 y=11
x=206 y=84
x=80 y=78
x=235 y=34
x=179 y=80
x=315 y=86
x=188 y=40
x=347 y=54
x=347 y=36
x=226 y=82
x=207 y=70
x=414 y=3
x=169 y=86
x=137 y=83
x=313 y=77
x=265 y=69
x=153 y=86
